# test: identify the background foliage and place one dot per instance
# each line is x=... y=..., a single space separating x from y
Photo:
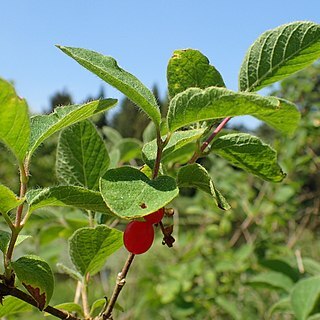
x=242 y=264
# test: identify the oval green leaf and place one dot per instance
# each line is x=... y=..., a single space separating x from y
x=43 y=126
x=82 y=157
x=278 y=53
x=89 y=248
x=250 y=154
x=70 y=307
x=11 y=305
x=37 y=277
x=66 y=196
x=14 y=121
x=271 y=279
x=194 y=105
x=190 y=68
x=196 y=176
x=129 y=149
x=108 y=70
x=8 y=200
x=304 y=297
x=5 y=239
x=177 y=140
x=130 y=194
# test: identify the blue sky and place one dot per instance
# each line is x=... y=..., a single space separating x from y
x=140 y=35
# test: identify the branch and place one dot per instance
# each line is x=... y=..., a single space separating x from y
x=205 y=144
x=16 y=228
x=6 y=291
x=121 y=281
x=160 y=146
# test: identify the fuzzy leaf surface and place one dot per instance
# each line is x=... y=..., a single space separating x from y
x=107 y=69
x=194 y=105
x=250 y=154
x=14 y=121
x=178 y=140
x=278 y=53
x=82 y=157
x=130 y=194
x=190 y=68
x=89 y=248
x=67 y=196
x=36 y=275
x=43 y=126
x=8 y=200
x=304 y=297
x=196 y=176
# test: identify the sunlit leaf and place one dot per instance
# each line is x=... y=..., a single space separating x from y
x=278 y=53
x=108 y=70
x=194 y=105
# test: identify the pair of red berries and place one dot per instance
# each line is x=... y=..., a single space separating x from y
x=138 y=235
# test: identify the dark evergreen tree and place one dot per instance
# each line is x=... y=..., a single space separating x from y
x=60 y=98
x=130 y=121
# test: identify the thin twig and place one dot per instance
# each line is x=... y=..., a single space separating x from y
x=205 y=144
x=121 y=280
x=158 y=158
x=77 y=293
x=6 y=291
x=84 y=296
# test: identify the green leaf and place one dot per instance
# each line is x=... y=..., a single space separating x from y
x=283 y=305
x=304 y=297
x=67 y=196
x=278 y=53
x=314 y=317
x=89 y=248
x=12 y=305
x=281 y=266
x=98 y=305
x=70 y=307
x=130 y=194
x=194 y=105
x=70 y=272
x=8 y=200
x=111 y=134
x=250 y=154
x=181 y=155
x=5 y=239
x=36 y=275
x=190 y=68
x=43 y=126
x=229 y=307
x=149 y=133
x=311 y=266
x=14 y=121
x=82 y=157
x=129 y=149
x=108 y=70
x=177 y=140
x=271 y=279
x=194 y=175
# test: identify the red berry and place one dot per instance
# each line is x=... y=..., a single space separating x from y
x=155 y=217
x=138 y=236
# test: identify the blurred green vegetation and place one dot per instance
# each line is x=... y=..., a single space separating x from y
x=224 y=265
